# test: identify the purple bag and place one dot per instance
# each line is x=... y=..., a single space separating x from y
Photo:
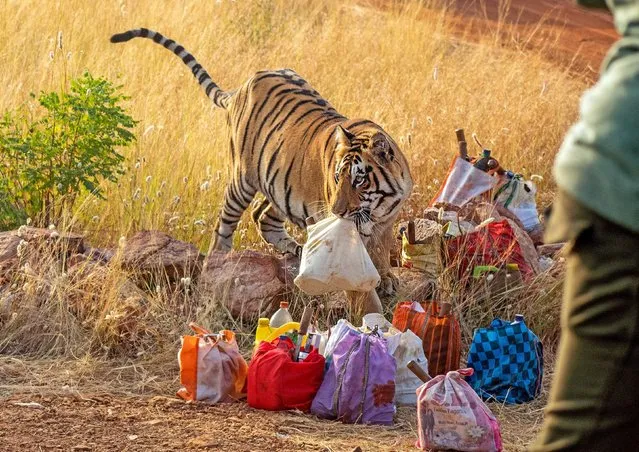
x=359 y=385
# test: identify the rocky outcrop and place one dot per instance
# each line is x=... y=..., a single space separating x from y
x=154 y=253
x=249 y=284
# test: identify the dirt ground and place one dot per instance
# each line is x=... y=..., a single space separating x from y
x=86 y=404
x=105 y=422
x=580 y=36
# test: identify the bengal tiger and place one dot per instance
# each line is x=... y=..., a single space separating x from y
x=291 y=145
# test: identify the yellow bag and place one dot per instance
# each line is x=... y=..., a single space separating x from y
x=212 y=369
x=426 y=255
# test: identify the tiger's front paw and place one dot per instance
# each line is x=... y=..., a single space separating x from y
x=388 y=285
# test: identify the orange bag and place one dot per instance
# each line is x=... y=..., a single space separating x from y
x=212 y=369
x=441 y=336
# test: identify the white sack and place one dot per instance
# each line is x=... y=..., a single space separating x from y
x=334 y=258
x=405 y=347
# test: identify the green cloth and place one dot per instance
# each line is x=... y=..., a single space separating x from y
x=594 y=399
x=598 y=163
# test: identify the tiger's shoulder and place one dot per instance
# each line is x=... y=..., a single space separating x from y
x=282 y=83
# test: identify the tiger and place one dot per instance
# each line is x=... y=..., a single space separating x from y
x=290 y=144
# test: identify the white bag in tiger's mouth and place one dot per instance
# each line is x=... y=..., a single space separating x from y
x=334 y=258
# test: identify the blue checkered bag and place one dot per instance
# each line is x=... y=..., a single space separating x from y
x=508 y=362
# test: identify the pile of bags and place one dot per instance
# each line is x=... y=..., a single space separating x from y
x=359 y=378
x=364 y=372
x=482 y=226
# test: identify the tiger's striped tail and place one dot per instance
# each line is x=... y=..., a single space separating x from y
x=220 y=98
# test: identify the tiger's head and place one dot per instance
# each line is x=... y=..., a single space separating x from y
x=372 y=178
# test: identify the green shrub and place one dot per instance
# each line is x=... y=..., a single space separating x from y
x=47 y=161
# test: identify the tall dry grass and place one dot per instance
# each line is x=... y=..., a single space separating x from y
x=399 y=65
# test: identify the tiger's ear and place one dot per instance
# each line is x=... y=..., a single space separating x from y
x=343 y=138
x=381 y=147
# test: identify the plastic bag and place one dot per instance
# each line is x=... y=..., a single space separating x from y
x=518 y=196
x=450 y=415
x=334 y=258
x=359 y=386
x=336 y=333
x=211 y=367
x=508 y=362
x=441 y=336
x=425 y=254
x=406 y=347
x=463 y=183
x=276 y=382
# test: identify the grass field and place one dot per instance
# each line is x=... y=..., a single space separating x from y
x=402 y=64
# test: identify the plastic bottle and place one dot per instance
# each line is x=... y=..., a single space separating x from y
x=263 y=330
x=486 y=163
x=281 y=316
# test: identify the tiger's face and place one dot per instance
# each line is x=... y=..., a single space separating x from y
x=372 y=179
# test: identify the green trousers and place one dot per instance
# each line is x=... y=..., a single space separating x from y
x=594 y=398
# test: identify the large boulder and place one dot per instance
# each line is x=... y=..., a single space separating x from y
x=248 y=283
x=64 y=244
x=156 y=254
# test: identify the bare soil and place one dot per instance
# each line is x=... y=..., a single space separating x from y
x=106 y=422
x=584 y=34
x=99 y=405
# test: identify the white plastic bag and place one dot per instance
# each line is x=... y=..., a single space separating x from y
x=334 y=258
x=518 y=196
x=406 y=347
x=336 y=333
x=463 y=183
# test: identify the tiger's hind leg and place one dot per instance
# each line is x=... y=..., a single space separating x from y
x=271 y=226
x=236 y=199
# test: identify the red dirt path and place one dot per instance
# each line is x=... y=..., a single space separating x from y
x=586 y=33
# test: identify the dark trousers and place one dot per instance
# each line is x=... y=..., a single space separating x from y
x=594 y=399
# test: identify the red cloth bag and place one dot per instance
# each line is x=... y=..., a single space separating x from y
x=494 y=244
x=276 y=382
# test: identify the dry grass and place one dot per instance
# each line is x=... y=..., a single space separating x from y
x=400 y=66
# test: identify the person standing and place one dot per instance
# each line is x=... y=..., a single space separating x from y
x=594 y=398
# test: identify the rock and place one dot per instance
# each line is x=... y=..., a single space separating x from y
x=99 y=254
x=425 y=230
x=76 y=259
x=414 y=285
x=551 y=249
x=154 y=253
x=9 y=245
x=64 y=243
x=248 y=283
x=36 y=243
x=8 y=268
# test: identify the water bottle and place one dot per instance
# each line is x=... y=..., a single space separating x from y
x=482 y=163
x=281 y=316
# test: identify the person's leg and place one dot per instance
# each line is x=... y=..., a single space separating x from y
x=594 y=399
